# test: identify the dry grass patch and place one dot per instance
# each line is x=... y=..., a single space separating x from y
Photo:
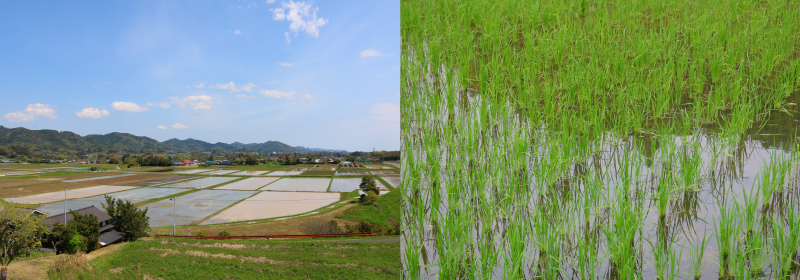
x=66 y=264
x=210 y=255
x=260 y=260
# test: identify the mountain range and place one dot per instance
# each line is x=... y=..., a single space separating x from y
x=53 y=140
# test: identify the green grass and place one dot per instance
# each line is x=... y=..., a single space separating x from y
x=318 y=173
x=390 y=208
x=200 y=259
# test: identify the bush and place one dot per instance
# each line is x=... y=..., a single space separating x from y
x=320 y=226
x=224 y=233
x=200 y=233
x=369 y=198
x=76 y=243
x=364 y=226
x=94 y=168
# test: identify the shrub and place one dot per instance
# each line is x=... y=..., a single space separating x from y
x=76 y=243
x=94 y=168
x=320 y=226
x=224 y=233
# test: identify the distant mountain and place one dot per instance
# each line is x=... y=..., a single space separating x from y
x=53 y=140
x=319 y=149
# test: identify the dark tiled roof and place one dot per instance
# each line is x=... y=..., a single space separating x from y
x=101 y=216
x=111 y=237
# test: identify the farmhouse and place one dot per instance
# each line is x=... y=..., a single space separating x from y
x=107 y=233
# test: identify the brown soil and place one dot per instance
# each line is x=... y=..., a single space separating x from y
x=16 y=183
x=290 y=226
x=52 y=187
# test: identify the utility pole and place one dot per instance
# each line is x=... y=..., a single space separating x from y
x=65 y=207
x=173 y=215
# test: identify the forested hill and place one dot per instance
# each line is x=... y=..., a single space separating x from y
x=66 y=141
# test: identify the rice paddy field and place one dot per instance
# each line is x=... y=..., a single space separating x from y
x=600 y=140
x=201 y=183
x=76 y=193
x=192 y=207
x=248 y=173
x=133 y=195
x=273 y=204
x=283 y=173
x=249 y=184
x=299 y=184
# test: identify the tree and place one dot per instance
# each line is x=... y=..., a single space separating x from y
x=251 y=160
x=127 y=218
x=18 y=230
x=88 y=227
x=368 y=185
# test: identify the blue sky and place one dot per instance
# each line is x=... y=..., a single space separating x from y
x=322 y=74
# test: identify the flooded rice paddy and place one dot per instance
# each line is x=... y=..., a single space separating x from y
x=75 y=193
x=274 y=204
x=345 y=184
x=191 y=171
x=134 y=195
x=600 y=140
x=249 y=173
x=192 y=207
x=159 y=181
x=201 y=183
x=249 y=184
x=299 y=184
x=220 y=172
x=283 y=173
x=98 y=178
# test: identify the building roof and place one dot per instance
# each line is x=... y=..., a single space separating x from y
x=110 y=237
x=101 y=216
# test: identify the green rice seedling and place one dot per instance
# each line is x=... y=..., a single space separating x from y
x=785 y=243
x=697 y=254
x=726 y=230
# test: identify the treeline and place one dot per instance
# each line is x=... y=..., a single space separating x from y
x=154 y=161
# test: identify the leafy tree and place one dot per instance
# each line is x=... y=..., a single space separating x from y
x=18 y=230
x=251 y=160
x=127 y=218
x=88 y=227
x=126 y=159
x=368 y=185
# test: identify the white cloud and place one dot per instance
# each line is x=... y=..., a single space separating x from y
x=128 y=107
x=288 y=39
x=179 y=126
x=199 y=102
x=161 y=127
x=32 y=112
x=285 y=64
x=201 y=85
x=92 y=113
x=163 y=105
x=371 y=53
x=397 y=93
x=277 y=94
x=233 y=88
x=386 y=111
x=237 y=32
x=244 y=96
x=270 y=1
x=303 y=17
